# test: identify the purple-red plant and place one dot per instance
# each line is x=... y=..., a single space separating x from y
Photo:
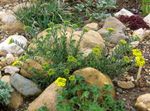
x=134 y=22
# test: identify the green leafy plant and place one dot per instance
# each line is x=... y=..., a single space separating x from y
x=80 y=96
x=43 y=108
x=97 y=10
x=37 y=16
x=115 y=63
x=145 y=7
x=61 y=55
x=5 y=93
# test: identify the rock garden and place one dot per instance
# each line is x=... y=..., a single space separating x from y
x=74 y=55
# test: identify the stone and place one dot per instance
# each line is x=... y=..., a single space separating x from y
x=14 y=44
x=30 y=64
x=16 y=100
x=140 y=33
x=10 y=59
x=95 y=77
x=118 y=30
x=47 y=98
x=12 y=28
x=11 y=69
x=124 y=12
x=6 y=79
x=89 y=40
x=143 y=102
x=125 y=84
x=147 y=19
x=135 y=43
x=3 y=53
x=4 y=2
x=24 y=86
x=91 y=26
x=7 y=17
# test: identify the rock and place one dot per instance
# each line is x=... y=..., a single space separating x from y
x=3 y=53
x=7 y=17
x=140 y=33
x=11 y=69
x=14 y=44
x=30 y=64
x=4 y=2
x=48 y=98
x=95 y=77
x=24 y=86
x=13 y=28
x=90 y=40
x=143 y=102
x=118 y=30
x=16 y=100
x=92 y=26
x=147 y=19
x=125 y=84
x=6 y=79
x=123 y=12
x=10 y=59
x=135 y=44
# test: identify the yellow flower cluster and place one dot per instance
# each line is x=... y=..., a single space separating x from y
x=71 y=59
x=110 y=29
x=51 y=72
x=96 y=51
x=61 y=82
x=126 y=59
x=122 y=41
x=139 y=59
x=72 y=78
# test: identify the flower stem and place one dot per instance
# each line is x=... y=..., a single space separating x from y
x=139 y=73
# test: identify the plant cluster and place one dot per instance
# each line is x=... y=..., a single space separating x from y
x=37 y=16
x=5 y=93
x=62 y=56
x=97 y=10
x=77 y=95
x=134 y=22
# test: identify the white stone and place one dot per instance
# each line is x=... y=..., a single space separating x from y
x=10 y=58
x=13 y=44
x=124 y=12
x=11 y=69
x=7 y=17
x=140 y=33
x=147 y=19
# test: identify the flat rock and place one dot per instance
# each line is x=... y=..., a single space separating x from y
x=126 y=84
x=91 y=26
x=11 y=69
x=147 y=19
x=25 y=86
x=124 y=12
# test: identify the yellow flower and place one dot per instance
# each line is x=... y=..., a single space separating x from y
x=96 y=51
x=139 y=61
x=110 y=29
x=61 y=81
x=136 y=52
x=126 y=59
x=66 y=71
x=122 y=41
x=72 y=78
x=51 y=72
x=17 y=63
x=71 y=59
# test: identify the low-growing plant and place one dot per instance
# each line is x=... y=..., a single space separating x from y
x=134 y=22
x=37 y=16
x=97 y=10
x=77 y=95
x=5 y=93
x=43 y=108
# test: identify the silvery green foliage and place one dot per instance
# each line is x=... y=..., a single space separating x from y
x=5 y=93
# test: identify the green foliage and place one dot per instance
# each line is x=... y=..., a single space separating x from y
x=80 y=96
x=5 y=93
x=43 y=108
x=113 y=64
x=37 y=16
x=61 y=55
x=95 y=10
x=145 y=7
